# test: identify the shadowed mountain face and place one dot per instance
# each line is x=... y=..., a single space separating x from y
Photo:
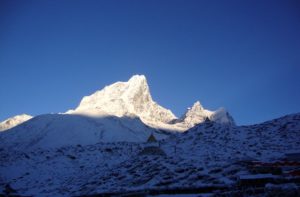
x=57 y=130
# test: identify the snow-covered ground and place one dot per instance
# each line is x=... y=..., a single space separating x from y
x=206 y=155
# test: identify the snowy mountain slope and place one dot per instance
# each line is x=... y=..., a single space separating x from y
x=57 y=130
x=14 y=121
x=206 y=155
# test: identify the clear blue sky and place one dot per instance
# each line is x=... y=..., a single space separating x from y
x=242 y=55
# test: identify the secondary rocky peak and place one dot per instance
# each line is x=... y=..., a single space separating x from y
x=197 y=114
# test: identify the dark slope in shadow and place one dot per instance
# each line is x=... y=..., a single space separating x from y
x=56 y=130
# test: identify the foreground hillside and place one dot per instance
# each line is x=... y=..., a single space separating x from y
x=209 y=157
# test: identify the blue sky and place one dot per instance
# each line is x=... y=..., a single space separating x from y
x=242 y=55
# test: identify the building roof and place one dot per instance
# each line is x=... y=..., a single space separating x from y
x=151 y=138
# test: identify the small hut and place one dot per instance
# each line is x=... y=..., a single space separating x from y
x=152 y=147
x=151 y=139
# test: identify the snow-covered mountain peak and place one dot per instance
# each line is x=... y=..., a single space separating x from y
x=197 y=106
x=137 y=79
x=123 y=98
x=14 y=121
x=198 y=114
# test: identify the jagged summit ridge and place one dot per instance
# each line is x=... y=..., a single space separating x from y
x=125 y=99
